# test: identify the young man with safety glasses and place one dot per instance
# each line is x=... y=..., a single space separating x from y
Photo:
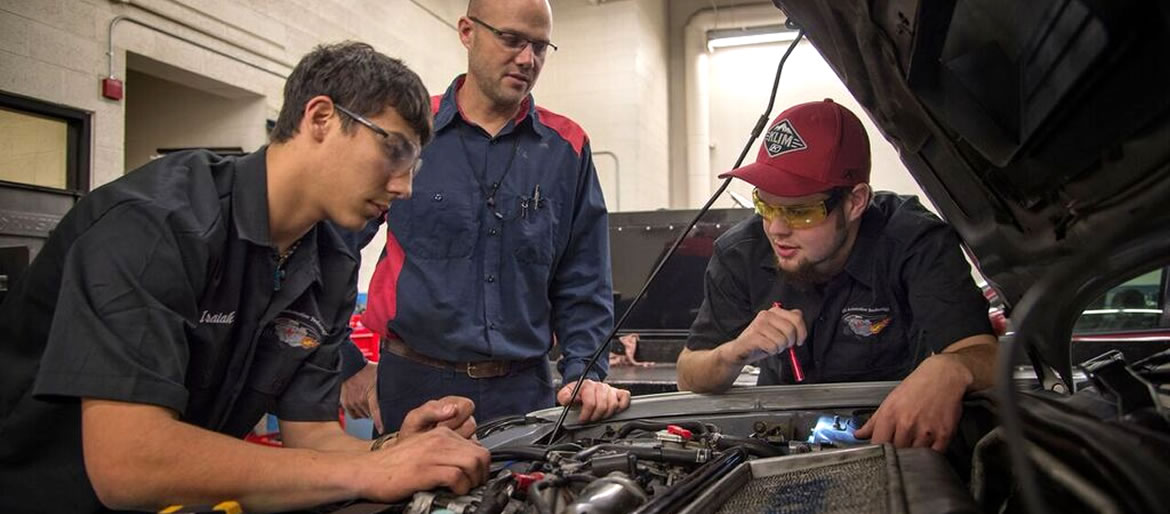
x=173 y=307
x=861 y=286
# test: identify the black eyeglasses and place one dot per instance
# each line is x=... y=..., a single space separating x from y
x=402 y=152
x=515 y=41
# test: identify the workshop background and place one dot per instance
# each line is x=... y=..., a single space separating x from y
x=665 y=105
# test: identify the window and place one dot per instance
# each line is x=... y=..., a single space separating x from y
x=1136 y=304
x=43 y=146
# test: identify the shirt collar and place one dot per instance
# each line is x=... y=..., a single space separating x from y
x=309 y=249
x=250 y=198
x=449 y=109
x=861 y=264
x=250 y=215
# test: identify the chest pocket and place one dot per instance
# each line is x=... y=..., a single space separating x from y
x=284 y=345
x=867 y=346
x=442 y=224
x=531 y=234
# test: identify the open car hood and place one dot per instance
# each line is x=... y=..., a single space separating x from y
x=1039 y=129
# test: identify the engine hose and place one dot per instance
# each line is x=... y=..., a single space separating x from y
x=526 y=453
x=539 y=453
x=753 y=446
x=537 y=494
x=683 y=492
x=496 y=495
x=491 y=427
x=651 y=453
x=642 y=424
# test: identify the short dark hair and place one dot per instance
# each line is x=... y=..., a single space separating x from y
x=358 y=78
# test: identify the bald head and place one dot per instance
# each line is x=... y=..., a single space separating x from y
x=532 y=11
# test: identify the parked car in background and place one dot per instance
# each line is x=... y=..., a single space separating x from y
x=1132 y=317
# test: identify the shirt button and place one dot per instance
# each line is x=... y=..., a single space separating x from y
x=491 y=278
x=492 y=232
x=492 y=326
x=438 y=197
x=495 y=185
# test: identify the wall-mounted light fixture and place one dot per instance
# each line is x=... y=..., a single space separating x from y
x=723 y=38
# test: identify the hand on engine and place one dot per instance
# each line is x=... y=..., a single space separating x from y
x=453 y=412
x=598 y=400
x=923 y=410
x=438 y=457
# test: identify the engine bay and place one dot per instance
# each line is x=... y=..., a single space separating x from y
x=769 y=449
x=649 y=465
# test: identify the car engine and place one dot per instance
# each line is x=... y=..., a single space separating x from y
x=651 y=465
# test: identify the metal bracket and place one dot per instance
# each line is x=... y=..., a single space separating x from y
x=1113 y=377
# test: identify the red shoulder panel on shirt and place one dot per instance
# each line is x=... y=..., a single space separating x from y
x=435 y=101
x=382 y=297
x=568 y=129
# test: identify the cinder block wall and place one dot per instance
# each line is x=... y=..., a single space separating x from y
x=55 y=50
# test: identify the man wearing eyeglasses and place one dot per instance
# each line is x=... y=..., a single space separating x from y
x=173 y=307
x=503 y=248
x=862 y=286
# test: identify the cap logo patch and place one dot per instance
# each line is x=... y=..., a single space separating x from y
x=783 y=138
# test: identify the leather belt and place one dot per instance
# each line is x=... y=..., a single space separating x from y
x=475 y=369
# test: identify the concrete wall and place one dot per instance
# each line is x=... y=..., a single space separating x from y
x=165 y=114
x=610 y=77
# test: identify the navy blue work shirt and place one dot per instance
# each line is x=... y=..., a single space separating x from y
x=503 y=243
x=906 y=292
x=160 y=288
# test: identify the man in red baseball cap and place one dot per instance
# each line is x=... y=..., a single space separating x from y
x=862 y=286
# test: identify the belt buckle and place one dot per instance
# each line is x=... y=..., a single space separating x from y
x=472 y=370
x=484 y=369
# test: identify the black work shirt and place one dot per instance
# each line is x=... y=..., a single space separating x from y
x=160 y=288
x=905 y=292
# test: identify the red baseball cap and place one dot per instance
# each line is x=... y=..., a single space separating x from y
x=809 y=148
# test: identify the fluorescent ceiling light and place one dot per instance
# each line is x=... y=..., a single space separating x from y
x=723 y=38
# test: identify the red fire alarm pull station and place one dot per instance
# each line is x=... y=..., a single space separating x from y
x=112 y=88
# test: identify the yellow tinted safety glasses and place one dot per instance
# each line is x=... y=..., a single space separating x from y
x=799 y=216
